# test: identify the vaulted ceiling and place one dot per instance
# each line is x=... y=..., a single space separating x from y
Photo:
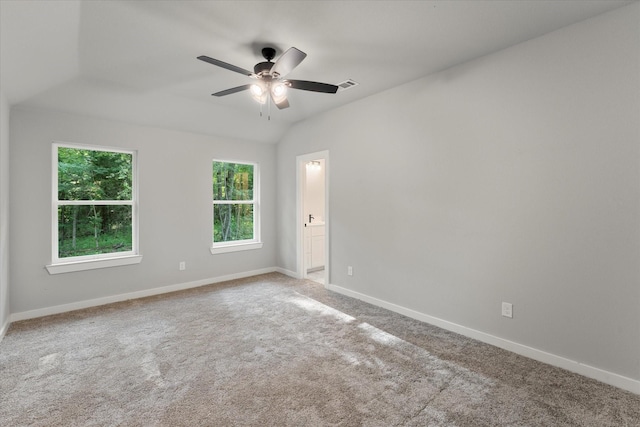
x=135 y=61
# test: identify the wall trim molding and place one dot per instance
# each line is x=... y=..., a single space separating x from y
x=4 y=329
x=79 y=305
x=287 y=272
x=574 y=366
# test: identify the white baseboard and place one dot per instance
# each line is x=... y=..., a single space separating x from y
x=4 y=329
x=287 y=272
x=14 y=317
x=606 y=377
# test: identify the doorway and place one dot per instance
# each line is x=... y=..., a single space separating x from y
x=313 y=216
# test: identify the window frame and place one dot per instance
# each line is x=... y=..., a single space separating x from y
x=238 y=245
x=103 y=260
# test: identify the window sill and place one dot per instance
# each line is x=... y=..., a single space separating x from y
x=235 y=247
x=70 y=267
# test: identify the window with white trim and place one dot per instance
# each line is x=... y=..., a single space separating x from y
x=94 y=209
x=236 y=211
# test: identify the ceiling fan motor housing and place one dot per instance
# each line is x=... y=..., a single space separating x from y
x=263 y=67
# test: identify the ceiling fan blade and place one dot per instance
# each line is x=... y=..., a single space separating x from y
x=288 y=61
x=232 y=90
x=282 y=104
x=312 y=86
x=225 y=65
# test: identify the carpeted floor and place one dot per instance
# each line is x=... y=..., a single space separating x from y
x=274 y=351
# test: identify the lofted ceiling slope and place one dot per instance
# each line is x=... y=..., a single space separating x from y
x=135 y=61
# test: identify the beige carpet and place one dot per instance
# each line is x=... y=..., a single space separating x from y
x=273 y=351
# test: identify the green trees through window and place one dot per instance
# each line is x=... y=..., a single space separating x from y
x=94 y=201
x=233 y=202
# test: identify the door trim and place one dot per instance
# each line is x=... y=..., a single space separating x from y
x=301 y=162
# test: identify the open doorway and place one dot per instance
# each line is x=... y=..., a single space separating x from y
x=313 y=216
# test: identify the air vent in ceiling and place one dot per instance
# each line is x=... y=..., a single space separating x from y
x=347 y=84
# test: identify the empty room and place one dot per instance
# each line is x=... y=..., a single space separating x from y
x=320 y=213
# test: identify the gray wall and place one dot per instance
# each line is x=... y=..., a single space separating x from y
x=4 y=213
x=175 y=209
x=514 y=177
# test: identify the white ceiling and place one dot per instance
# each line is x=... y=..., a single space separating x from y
x=135 y=61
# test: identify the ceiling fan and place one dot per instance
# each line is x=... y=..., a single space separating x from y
x=270 y=82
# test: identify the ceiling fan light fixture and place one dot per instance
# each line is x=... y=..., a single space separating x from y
x=258 y=93
x=256 y=90
x=278 y=92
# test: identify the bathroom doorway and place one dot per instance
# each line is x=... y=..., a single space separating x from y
x=313 y=217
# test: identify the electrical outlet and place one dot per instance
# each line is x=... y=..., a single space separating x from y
x=183 y=265
x=350 y=271
x=507 y=310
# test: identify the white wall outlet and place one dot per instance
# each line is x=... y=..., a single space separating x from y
x=183 y=265
x=350 y=271
x=507 y=309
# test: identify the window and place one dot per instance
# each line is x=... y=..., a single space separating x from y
x=235 y=207
x=94 y=208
